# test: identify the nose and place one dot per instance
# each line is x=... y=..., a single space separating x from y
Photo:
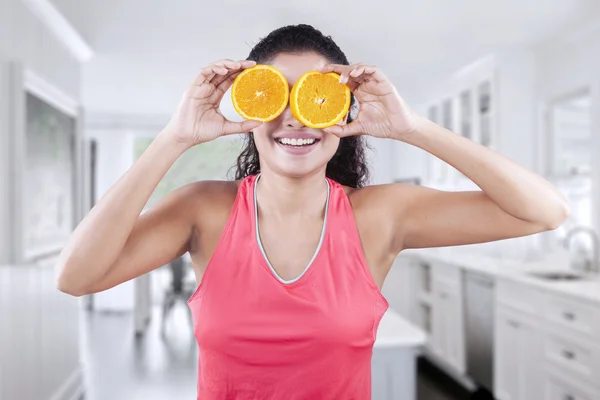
x=288 y=120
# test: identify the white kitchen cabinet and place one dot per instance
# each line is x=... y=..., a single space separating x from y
x=491 y=102
x=447 y=328
x=408 y=290
x=467 y=106
x=545 y=345
x=518 y=355
x=399 y=288
x=432 y=299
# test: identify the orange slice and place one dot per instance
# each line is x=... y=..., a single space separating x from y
x=319 y=100
x=260 y=93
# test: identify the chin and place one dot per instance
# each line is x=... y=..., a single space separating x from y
x=297 y=170
x=295 y=154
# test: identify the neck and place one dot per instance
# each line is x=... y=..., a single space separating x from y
x=282 y=196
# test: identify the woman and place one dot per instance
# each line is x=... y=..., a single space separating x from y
x=292 y=255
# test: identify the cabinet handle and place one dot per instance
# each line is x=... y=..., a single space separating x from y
x=569 y=316
x=569 y=355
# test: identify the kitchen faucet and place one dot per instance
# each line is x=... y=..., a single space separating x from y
x=591 y=264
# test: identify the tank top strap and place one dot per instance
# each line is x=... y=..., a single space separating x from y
x=343 y=222
x=342 y=214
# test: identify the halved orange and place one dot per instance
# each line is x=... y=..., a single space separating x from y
x=260 y=93
x=319 y=100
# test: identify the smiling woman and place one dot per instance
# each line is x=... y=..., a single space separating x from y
x=291 y=256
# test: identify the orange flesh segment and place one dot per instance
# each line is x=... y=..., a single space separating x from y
x=320 y=100
x=260 y=94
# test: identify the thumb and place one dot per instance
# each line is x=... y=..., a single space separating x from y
x=352 y=129
x=231 y=128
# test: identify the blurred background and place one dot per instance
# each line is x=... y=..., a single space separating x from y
x=86 y=85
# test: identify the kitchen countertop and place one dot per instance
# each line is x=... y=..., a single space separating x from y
x=395 y=331
x=518 y=271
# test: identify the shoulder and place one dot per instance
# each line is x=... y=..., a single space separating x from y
x=200 y=199
x=382 y=198
x=210 y=194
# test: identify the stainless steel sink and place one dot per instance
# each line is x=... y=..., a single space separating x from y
x=559 y=276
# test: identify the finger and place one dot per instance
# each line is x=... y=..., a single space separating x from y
x=234 y=69
x=337 y=68
x=372 y=72
x=232 y=128
x=207 y=73
x=223 y=86
x=247 y=63
x=209 y=91
x=221 y=67
x=345 y=73
x=351 y=129
x=356 y=72
x=341 y=70
x=217 y=80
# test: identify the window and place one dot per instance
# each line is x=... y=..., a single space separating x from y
x=447 y=117
x=485 y=113
x=208 y=161
x=466 y=113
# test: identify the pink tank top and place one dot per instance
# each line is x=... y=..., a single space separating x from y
x=264 y=338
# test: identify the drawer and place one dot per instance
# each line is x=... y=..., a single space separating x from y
x=577 y=316
x=446 y=272
x=519 y=297
x=561 y=387
x=576 y=357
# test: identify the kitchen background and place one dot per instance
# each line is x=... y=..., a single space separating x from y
x=85 y=86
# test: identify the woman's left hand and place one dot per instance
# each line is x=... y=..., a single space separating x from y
x=383 y=113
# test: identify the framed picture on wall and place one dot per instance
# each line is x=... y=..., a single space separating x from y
x=45 y=162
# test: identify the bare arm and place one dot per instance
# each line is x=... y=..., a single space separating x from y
x=513 y=201
x=113 y=243
x=113 y=236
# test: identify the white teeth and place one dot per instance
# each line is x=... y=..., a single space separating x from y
x=296 y=142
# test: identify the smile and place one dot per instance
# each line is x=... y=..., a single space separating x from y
x=296 y=142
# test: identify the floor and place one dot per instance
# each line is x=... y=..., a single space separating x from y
x=163 y=366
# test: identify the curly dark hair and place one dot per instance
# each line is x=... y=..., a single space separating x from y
x=348 y=166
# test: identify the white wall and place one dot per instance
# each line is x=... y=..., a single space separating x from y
x=39 y=325
x=24 y=39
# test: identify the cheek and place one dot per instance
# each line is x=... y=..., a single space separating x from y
x=261 y=136
x=330 y=144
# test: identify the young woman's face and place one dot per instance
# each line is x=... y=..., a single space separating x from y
x=287 y=160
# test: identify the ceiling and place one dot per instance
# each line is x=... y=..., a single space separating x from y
x=412 y=41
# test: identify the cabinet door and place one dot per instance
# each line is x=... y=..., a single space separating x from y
x=447 y=327
x=506 y=358
x=438 y=334
x=518 y=356
x=399 y=287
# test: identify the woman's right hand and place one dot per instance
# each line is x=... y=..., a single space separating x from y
x=198 y=118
